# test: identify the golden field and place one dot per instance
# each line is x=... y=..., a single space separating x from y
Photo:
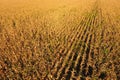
x=60 y=40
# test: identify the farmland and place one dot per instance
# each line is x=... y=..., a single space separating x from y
x=60 y=40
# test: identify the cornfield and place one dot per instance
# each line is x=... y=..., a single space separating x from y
x=60 y=40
